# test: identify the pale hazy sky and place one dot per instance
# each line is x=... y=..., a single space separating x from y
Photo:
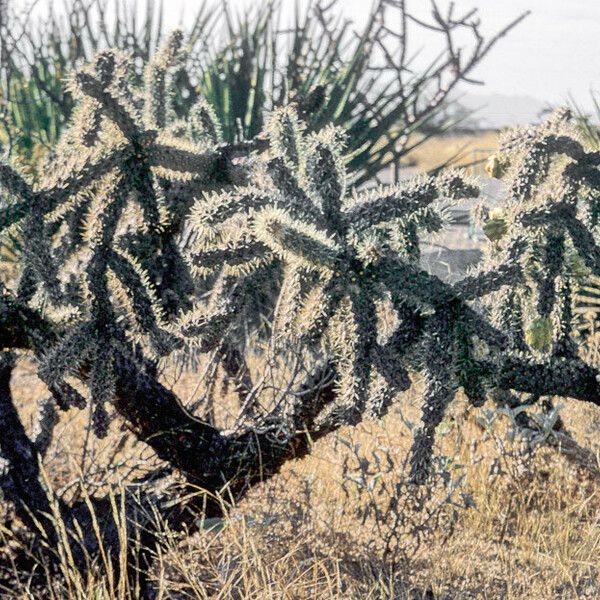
x=554 y=52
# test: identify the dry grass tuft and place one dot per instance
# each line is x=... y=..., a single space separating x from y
x=521 y=522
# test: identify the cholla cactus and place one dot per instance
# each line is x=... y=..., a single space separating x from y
x=145 y=236
x=344 y=256
x=552 y=194
x=100 y=229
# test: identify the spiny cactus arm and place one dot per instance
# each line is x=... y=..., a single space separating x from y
x=316 y=309
x=389 y=363
x=552 y=261
x=109 y=203
x=22 y=328
x=507 y=273
x=411 y=325
x=406 y=242
x=200 y=327
x=215 y=208
x=29 y=213
x=176 y=286
x=295 y=199
x=289 y=300
x=285 y=131
x=571 y=147
x=64 y=184
x=440 y=388
x=564 y=345
x=87 y=117
x=27 y=285
x=88 y=121
x=584 y=242
x=428 y=219
x=66 y=356
x=155 y=81
x=575 y=372
x=569 y=378
x=327 y=178
x=231 y=243
x=116 y=109
x=145 y=308
x=380 y=396
x=73 y=219
x=102 y=385
x=188 y=159
x=531 y=153
x=149 y=196
x=589 y=212
x=194 y=167
x=352 y=337
x=453 y=184
x=101 y=225
x=37 y=253
x=405 y=199
x=554 y=143
x=295 y=240
x=56 y=357
x=508 y=317
x=380 y=206
x=466 y=369
x=532 y=167
x=240 y=256
x=203 y=124
x=405 y=280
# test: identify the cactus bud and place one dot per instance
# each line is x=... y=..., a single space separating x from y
x=539 y=333
x=495 y=167
x=495 y=227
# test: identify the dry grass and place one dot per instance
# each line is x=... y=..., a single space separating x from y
x=467 y=147
x=533 y=532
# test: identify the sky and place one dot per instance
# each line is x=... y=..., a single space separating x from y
x=553 y=53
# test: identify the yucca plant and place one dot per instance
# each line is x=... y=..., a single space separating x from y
x=144 y=238
x=361 y=81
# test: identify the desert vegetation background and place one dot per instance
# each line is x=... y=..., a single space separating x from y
x=512 y=509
